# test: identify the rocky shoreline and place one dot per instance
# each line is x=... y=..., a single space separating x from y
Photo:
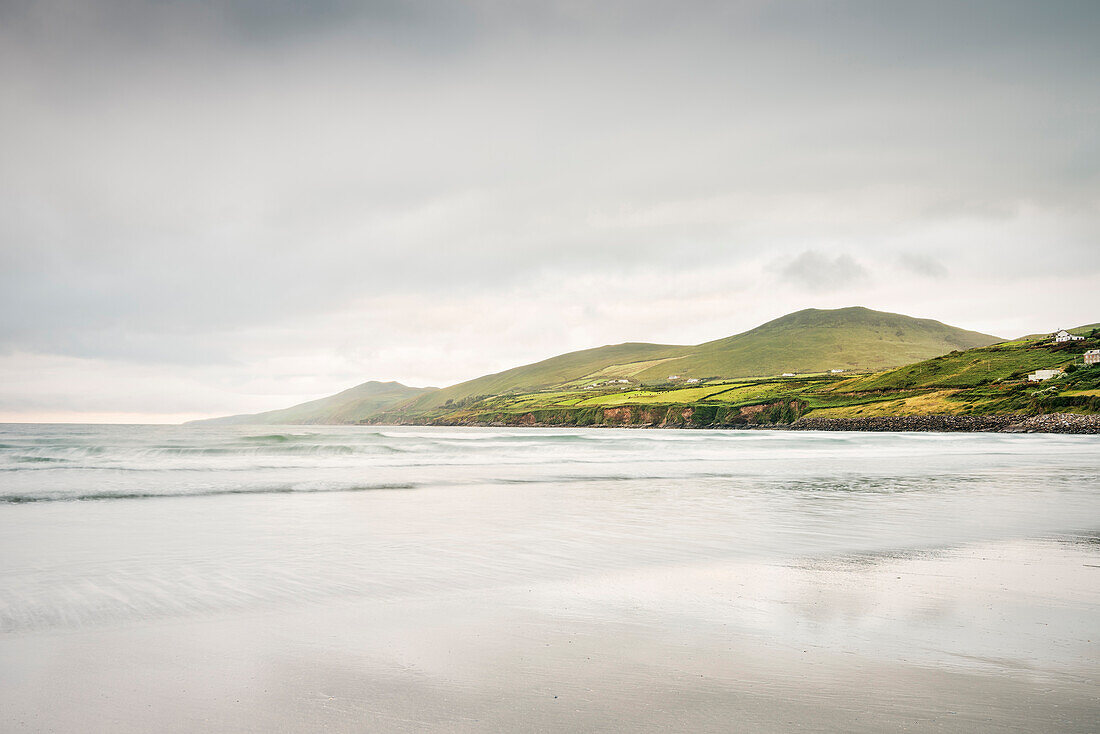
x=1066 y=423
x=1046 y=423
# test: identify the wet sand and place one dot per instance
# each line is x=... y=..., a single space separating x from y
x=454 y=580
x=720 y=647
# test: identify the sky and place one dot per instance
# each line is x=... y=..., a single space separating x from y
x=220 y=207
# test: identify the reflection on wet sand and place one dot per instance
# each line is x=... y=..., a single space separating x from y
x=543 y=582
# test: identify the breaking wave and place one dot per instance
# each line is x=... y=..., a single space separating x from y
x=16 y=499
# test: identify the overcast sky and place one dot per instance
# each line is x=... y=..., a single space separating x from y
x=220 y=207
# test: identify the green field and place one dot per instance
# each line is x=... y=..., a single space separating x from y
x=980 y=381
x=803 y=342
x=814 y=340
x=962 y=373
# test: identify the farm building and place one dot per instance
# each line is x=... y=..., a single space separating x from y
x=1065 y=336
x=1038 y=375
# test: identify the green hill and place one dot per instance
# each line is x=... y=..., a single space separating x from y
x=350 y=406
x=619 y=360
x=1005 y=361
x=983 y=381
x=812 y=340
x=807 y=341
x=817 y=340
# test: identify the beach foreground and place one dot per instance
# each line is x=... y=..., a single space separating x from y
x=343 y=579
x=553 y=658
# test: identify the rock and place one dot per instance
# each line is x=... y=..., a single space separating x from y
x=1048 y=423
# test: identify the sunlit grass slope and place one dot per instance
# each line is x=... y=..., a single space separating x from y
x=982 y=366
x=979 y=381
x=350 y=406
x=807 y=342
x=817 y=340
x=551 y=372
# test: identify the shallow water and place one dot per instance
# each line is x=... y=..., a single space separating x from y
x=962 y=554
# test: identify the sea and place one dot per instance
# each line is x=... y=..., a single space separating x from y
x=372 y=578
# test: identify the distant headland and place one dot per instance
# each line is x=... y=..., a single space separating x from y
x=841 y=369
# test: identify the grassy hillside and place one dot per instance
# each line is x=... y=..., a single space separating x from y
x=558 y=370
x=1002 y=362
x=816 y=340
x=981 y=381
x=809 y=341
x=989 y=380
x=812 y=340
x=350 y=406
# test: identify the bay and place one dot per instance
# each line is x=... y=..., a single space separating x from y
x=453 y=579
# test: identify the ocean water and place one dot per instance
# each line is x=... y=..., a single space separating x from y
x=455 y=562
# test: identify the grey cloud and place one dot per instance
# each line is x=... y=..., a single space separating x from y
x=922 y=264
x=175 y=170
x=816 y=271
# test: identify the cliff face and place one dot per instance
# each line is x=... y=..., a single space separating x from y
x=675 y=416
x=765 y=417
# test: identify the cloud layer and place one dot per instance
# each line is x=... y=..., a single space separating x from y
x=276 y=200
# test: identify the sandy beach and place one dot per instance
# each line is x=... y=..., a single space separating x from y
x=554 y=580
x=665 y=652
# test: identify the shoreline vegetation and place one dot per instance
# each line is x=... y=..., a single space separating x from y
x=845 y=369
x=1069 y=423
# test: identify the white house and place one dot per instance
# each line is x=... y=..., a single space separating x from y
x=1065 y=336
x=1092 y=356
x=836 y=372
x=693 y=379
x=1039 y=375
x=787 y=374
x=674 y=377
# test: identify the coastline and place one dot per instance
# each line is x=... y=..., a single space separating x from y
x=1060 y=423
x=1073 y=423
x=271 y=579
